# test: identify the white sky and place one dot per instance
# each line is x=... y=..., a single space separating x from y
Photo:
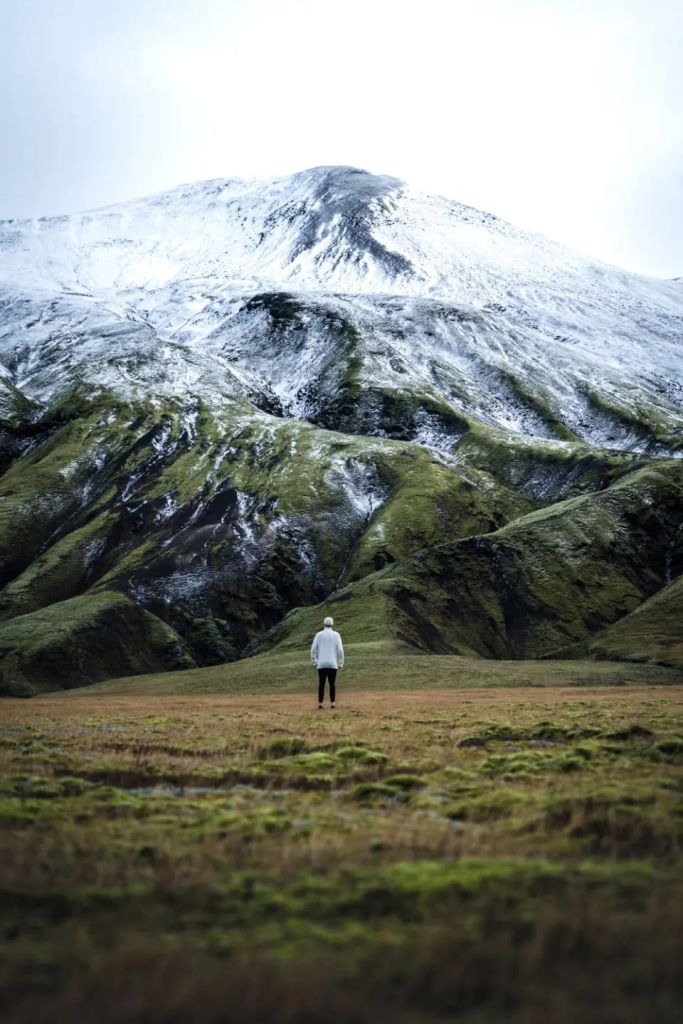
x=563 y=116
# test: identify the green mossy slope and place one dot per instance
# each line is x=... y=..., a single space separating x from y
x=553 y=577
x=80 y=641
x=652 y=633
x=220 y=522
x=544 y=471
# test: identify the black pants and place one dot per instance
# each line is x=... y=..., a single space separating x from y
x=331 y=675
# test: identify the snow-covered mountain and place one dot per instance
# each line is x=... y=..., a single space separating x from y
x=289 y=291
x=239 y=398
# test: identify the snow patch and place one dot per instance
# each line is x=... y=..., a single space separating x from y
x=360 y=485
x=70 y=469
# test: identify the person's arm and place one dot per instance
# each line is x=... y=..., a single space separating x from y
x=314 y=650
x=340 y=652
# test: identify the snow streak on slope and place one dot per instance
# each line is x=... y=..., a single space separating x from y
x=286 y=291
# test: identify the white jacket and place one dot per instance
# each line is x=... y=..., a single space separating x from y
x=326 y=649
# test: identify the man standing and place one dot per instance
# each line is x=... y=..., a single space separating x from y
x=327 y=654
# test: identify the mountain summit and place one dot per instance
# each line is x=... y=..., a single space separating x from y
x=239 y=397
x=273 y=290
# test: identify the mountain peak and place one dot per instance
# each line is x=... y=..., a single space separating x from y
x=268 y=288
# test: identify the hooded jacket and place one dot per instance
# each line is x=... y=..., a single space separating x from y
x=327 y=650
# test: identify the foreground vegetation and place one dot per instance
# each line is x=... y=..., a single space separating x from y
x=416 y=856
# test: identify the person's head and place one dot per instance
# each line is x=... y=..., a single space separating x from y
x=328 y=621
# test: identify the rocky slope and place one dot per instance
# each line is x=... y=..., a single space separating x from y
x=240 y=398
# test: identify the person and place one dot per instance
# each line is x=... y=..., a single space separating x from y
x=327 y=655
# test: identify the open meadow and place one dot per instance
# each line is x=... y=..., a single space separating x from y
x=480 y=853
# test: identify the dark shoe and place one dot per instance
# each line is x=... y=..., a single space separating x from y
x=320 y=707
x=333 y=704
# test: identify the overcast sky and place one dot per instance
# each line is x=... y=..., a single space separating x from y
x=563 y=116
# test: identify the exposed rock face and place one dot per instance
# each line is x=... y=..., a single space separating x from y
x=239 y=398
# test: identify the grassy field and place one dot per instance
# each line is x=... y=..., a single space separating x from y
x=383 y=666
x=476 y=854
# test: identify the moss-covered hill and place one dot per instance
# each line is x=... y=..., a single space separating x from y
x=216 y=524
x=548 y=579
x=141 y=536
x=653 y=632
